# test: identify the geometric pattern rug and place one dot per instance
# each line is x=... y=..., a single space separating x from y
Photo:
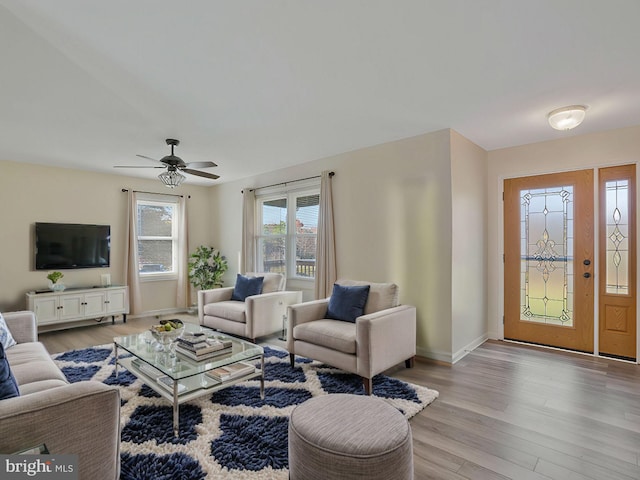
x=232 y=433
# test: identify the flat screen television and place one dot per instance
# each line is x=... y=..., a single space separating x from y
x=70 y=245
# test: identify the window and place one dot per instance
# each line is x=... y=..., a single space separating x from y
x=157 y=224
x=287 y=233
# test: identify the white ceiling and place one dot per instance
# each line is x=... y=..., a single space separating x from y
x=256 y=85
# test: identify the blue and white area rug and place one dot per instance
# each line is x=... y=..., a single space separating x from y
x=230 y=434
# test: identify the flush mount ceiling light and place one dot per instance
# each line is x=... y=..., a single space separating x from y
x=566 y=118
x=171 y=178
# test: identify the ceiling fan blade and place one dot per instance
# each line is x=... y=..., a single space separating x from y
x=212 y=176
x=201 y=165
x=137 y=166
x=148 y=158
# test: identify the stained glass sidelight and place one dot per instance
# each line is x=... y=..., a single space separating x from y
x=546 y=252
x=617 y=211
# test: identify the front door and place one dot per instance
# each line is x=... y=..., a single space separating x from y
x=549 y=259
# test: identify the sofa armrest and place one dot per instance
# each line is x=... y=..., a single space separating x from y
x=264 y=312
x=303 y=313
x=82 y=418
x=212 y=296
x=384 y=339
x=22 y=325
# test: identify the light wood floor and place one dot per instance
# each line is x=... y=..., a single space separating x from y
x=504 y=411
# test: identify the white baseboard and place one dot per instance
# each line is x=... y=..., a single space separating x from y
x=159 y=313
x=470 y=347
x=447 y=357
x=434 y=354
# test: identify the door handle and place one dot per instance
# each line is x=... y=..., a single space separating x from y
x=586 y=262
x=586 y=275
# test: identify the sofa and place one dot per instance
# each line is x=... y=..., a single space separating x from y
x=256 y=316
x=80 y=418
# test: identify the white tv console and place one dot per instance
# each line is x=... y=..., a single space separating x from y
x=75 y=304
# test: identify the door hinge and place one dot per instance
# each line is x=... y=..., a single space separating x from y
x=503 y=196
x=503 y=319
x=503 y=258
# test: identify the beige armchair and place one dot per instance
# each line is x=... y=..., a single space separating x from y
x=257 y=316
x=382 y=337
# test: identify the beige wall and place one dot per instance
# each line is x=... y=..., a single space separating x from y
x=403 y=213
x=33 y=193
x=469 y=247
x=617 y=147
x=393 y=224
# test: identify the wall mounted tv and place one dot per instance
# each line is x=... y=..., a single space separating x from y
x=70 y=245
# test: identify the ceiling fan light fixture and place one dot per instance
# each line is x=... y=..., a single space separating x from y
x=566 y=118
x=171 y=178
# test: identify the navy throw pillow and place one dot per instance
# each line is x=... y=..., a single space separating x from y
x=246 y=286
x=347 y=303
x=8 y=384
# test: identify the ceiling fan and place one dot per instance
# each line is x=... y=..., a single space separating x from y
x=174 y=165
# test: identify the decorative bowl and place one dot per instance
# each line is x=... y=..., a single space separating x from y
x=166 y=337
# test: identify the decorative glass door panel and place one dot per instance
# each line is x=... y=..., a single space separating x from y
x=617 y=220
x=546 y=215
x=548 y=241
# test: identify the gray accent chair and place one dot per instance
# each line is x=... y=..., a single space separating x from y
x=257 y=316
x=81 y=418
x=380 y=339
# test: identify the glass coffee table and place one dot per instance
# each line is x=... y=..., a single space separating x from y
x=178 y=378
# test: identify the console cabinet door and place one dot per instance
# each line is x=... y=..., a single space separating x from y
x=95 y=304
x=46 y=310
x=72 y=307
x=117 y=301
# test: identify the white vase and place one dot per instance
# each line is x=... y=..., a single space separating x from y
x=57 y=287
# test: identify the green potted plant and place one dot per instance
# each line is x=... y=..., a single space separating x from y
x=206 y=268
x=53 y=277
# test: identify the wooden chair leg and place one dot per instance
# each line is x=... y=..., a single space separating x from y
x=409 y=362
x=368 y=385
x=292 y=359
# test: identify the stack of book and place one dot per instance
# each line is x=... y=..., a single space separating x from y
x=147 y=369
x=199 y=347
x=231 y=372
x=157 y=375
x=167 y=383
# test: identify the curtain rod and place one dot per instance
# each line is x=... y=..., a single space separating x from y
x=331 y=174
x=156 y=193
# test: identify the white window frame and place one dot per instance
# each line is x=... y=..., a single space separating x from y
x=290 y=194
x=155 y=201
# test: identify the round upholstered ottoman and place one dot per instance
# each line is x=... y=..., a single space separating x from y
x=344 y=436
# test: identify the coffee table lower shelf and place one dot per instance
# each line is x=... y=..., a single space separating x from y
x=194 y=386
